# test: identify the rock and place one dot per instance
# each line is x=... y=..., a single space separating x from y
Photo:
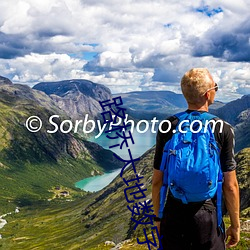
x=109 y=243
x=4 y=80
x=76 y=97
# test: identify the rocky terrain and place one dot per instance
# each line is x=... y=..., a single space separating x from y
x=76 y=97
x=32 y=163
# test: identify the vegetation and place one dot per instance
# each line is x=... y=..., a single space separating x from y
x=32 y=163
x=87 y=221
x=38 y=172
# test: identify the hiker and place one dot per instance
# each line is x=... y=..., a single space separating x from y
x=188 y=224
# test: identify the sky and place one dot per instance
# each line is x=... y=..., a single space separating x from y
x=127 y=45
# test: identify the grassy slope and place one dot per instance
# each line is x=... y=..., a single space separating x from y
x=85 y=223
x=61 y=225
x=80 y=224
x=32 y=163
x=243 y=175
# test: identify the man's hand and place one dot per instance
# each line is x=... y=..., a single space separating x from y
x=232 y=236
x=232 y=200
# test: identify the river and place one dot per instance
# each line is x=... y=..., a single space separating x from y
x=142 y=142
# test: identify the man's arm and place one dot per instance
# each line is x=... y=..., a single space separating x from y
x=231 y=195
x=156 y=187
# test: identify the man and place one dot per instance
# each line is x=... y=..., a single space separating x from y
x=194 y=225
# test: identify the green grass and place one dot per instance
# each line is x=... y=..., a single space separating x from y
x=57 y=225
x=49 y=225
x=244 y=243
x=85 y=223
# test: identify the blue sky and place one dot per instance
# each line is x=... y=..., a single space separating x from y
x=126 y=45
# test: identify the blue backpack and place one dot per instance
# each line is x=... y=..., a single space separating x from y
x=191 y=162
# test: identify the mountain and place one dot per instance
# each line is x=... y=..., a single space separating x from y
x=237 y=114
x=159 y=104
x=216 y=105
x=76 y=97
x=149 y=104
x=242 y=130
x=4 y=80
x=98 y=217
x=243 y=174
x=31 y=164
x=80 y=97
x=232 y=110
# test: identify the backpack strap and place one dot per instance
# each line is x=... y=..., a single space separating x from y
x=164 y=169
x=209 y=116
x=164 y=188
x=219 y=200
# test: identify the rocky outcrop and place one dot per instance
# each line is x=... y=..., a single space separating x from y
x=232 y=110
x=76 y=97
x=242 y=130
x=4 y=80
x=243 y=175
x=19 y=102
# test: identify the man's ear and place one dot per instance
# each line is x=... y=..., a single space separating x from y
x=207 y=95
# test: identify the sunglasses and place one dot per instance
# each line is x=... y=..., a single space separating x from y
x=216 y=87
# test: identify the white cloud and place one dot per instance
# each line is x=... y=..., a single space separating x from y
x=35 y=68
x=140 y=44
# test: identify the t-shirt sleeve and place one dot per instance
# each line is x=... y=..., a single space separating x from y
x=158 y=150
x=227 y=159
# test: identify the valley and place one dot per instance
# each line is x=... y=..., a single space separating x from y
x=38 y=171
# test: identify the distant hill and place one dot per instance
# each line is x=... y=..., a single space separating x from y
x=31 y=163
x=237 y=114
x=232 y=110
x=160 y=104
x=242 y=130
x=216 y=105
x=76 y=97
x=149 y=104
x=243 y=175
x=80 y=97
x=4 y=80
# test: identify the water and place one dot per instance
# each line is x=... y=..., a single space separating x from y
x=98 y=182
x=142 y=142
x=3 y=222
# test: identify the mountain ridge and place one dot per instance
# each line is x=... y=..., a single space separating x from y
x=4 y=80
x=76 y=97
x=58 y=159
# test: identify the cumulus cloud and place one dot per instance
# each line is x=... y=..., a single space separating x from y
x=231 y=45
x=34 y=68
x=140 y=45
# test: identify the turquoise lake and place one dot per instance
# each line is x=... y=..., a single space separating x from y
x=142 y=142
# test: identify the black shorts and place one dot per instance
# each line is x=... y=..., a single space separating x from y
x=191 y=226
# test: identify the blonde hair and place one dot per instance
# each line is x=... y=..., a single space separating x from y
x=195 y=83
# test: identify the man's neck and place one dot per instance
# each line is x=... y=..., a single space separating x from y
x=198 y=107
